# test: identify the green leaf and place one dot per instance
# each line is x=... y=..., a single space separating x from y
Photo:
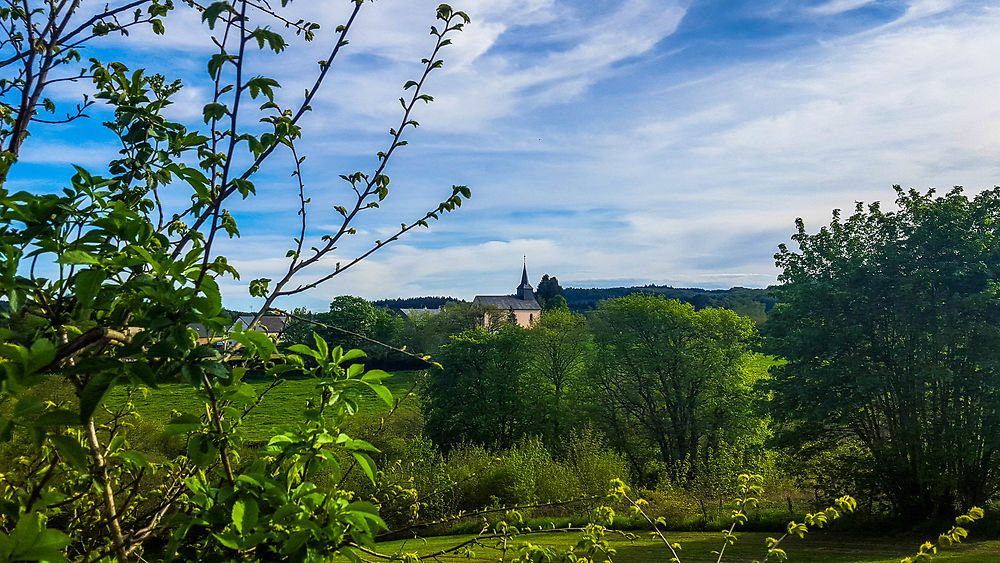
x=262 y=343
x=375 y=375
x=214 y=111
x=366 y=464
x=133 y=458
x=382 y=391
x=213 y=297
x=77 y=257
x=141 y=371
x=302 y=349
x=40 y=355
x=213 y=11
x=70 y=450
x=258 y=287
x=182 y=424
x=93 y=393
x=32 y=541
x=322 y=349
x=201 y=451
x=244 y=515
x=228 y=540
x=88 y=283
x=352 y=354
x=58 y=417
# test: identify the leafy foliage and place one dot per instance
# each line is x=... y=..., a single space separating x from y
x=477 y=395
x=673 y=383
x=890 y=328
x=103 y=280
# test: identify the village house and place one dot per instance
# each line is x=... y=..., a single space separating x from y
x=272 y=325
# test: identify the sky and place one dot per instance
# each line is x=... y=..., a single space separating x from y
x=609 y=143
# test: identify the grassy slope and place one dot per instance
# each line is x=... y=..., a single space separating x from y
x=280 y=406
x=697 y=547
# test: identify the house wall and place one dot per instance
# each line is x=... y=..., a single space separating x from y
x=524 y=318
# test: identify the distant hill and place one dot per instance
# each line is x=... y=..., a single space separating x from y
x=753 y=303
x=414 y=302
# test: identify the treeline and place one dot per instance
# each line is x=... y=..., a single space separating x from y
x=414 y=302
x=749 y=302
x=753 y=303
x=670 y=386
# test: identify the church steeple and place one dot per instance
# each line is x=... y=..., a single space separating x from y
x=525 y=291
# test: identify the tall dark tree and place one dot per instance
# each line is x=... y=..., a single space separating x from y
x=891 y=328
x=547 y=289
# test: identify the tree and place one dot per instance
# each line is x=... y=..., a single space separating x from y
x=547 y=289
x=557 y=303
x=477 y=397
x=107 y=277
x=426 y=333
x=891 y=326
x=351 y=322
x=558 y=345
x=673 y=383
x=351 y=314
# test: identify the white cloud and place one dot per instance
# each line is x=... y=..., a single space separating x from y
x=834 y=7
x=480 y=83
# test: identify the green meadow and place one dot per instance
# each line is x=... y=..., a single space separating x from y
x=282 y=405
x=697 y=547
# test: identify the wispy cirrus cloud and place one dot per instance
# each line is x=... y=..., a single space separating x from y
x=833 y=7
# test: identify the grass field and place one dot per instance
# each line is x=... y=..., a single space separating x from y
x=287 y=399
x=697 y=547
x=280 y=406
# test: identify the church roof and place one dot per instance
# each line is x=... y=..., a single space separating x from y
x=508 y=302
x=524 y=277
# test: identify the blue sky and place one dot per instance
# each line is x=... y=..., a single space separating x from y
x=611 y=142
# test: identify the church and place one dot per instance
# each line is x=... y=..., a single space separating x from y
x=522 y=305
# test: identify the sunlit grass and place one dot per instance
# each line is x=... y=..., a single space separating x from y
x=281 y=405
x=697 y=547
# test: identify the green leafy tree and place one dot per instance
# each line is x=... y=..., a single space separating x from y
x=426 y=333
x=105 y=280
x=673 y=384
x=352 y=313
x=557 y=303
x=387 y=327
x=891 y=326
x=558 y=346
x=478 y=397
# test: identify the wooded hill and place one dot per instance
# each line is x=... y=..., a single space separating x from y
x=753 y=303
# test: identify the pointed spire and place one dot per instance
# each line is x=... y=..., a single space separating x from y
x=525 y=291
